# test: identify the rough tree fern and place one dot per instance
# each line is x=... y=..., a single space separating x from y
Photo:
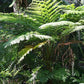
x=58 y=32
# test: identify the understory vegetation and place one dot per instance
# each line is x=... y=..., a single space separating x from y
x=42 y=44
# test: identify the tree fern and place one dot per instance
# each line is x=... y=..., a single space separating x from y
x=47 y=12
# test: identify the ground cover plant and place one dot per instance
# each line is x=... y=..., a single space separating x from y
x=43 y=44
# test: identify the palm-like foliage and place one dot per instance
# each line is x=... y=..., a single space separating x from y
x=52 y=35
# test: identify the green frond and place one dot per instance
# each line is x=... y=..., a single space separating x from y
x=27 y=37
x=82 y=22
x=80 y=8
x=34 y=74
x=27 y=49
x=67 y=7
x=56 y=24
x=73 y=12
x=60 y=29
x=20 y=19
x=72 y=15
x=24 y=52
x=61 y=74
x=57 y=29
x=46 y=10
x=78 y=28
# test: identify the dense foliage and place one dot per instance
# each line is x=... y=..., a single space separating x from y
x=44 y=45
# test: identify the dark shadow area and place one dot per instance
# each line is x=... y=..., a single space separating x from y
x=4 y=6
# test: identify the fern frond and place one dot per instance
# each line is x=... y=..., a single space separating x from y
x=56 y=24
x=34 y=74
x=78 y=28
x=73 y=12
x=67 y=7
x=27 y=49
x=82 y=22
x=80 y=8
x=47 y=10
x=61 y=29
x=20 y=19
x=57 y=29
x=27 y=37
x=72 y=15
